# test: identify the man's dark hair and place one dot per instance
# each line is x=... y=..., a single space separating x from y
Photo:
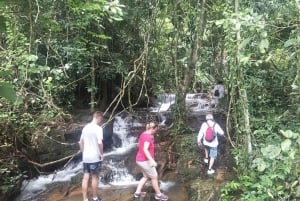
x=98 y=114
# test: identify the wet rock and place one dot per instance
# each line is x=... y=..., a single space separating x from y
x=117 y=193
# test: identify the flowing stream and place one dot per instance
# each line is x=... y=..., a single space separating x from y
x=123 y=128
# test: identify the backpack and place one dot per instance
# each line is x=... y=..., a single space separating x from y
x=210 y=133
x=217 y=93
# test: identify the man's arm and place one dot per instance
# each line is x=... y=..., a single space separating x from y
x=219 y=130
x=200 y=135
x=81 y=146
x=101 y=151
x=100 y=142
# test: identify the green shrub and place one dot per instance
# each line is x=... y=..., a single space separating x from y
x=273 y=174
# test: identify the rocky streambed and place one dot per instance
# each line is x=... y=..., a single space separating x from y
x=181 y=171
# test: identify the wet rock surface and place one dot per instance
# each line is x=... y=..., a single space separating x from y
x=117 y=193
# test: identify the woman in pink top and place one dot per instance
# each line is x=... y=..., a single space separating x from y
x=145 y=160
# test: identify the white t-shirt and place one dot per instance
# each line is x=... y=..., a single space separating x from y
x=221 y=89
x=202 y=131
x=92 y=136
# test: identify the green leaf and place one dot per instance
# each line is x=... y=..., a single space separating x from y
x=294 y=183
x=271 y=151
x=288 y=134
x=219 y=22
x=298 y=193
x=7 y=91
x=264 y=34
x=292 y=154
x=286 y=145
x=298 y=141
x=290 y=42
x=260 y=164
x=244 y=43
x=244 y=59
x=32 y=58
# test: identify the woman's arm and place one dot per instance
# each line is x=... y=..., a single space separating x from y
x=148 y=155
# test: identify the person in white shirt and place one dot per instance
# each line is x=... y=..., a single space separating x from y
x=218 y=92
x=210 y=148
x=92 y=154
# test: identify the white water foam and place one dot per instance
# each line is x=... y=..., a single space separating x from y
x=165 y=185
x=32 y=187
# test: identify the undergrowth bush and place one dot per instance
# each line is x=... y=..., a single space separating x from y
x=273 y=172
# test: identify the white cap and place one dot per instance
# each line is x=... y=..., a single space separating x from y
x=209 y=117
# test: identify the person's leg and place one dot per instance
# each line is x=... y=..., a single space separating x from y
x=206 y=152
x=211 y=163
x=152 y=173
x=141 y=184
x=158 y=194
x=95 y=181
x=143 y=166
x=213 y=151
x=95 y=169
x=206 y=155
x=154 y=182
x=84 y=185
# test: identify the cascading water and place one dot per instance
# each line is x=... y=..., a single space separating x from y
x=122 y=127
x=33 y=188
x=126 y=129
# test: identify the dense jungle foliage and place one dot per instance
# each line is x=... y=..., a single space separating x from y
x=61 y=55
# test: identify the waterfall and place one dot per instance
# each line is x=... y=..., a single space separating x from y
x=199 y=102
x=195 y=102
x=163 y=102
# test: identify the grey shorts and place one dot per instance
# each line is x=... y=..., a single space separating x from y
x=213 y=152
x=93 y=168
x=147 y=170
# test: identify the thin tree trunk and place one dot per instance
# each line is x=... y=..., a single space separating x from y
x=242 y=92
x=93 y=85
x=246 y=116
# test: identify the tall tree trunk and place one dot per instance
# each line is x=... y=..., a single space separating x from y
x=104 y=94
x=190 y=70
